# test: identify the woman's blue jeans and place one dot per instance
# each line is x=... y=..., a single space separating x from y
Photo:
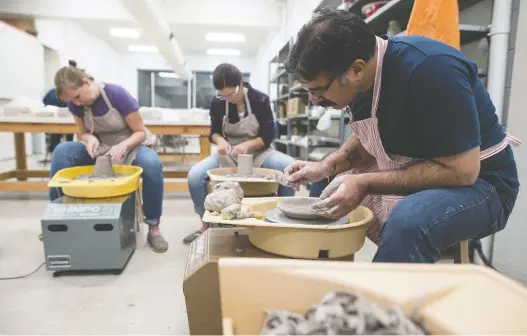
x=197 y=177
x=72 y=154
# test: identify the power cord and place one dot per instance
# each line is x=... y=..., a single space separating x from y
x=25 y=275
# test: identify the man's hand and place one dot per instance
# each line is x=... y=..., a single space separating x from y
x=242 y=148
x=118 y=151
x=92 y=145
x=341 y=196
x=303 y=171
x=224 y=147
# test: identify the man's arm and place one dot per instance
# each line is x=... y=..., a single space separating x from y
x=350 y=155
x=454 y=171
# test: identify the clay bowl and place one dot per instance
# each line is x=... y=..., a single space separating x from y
x=299 y=208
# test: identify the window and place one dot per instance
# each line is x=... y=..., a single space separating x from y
x=158 y=89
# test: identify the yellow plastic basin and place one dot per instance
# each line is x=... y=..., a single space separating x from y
x=122 y=185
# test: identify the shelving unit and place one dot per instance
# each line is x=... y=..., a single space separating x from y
x=286 y=87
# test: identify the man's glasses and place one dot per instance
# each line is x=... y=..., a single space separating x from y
x=224 y=97
x=321 y=94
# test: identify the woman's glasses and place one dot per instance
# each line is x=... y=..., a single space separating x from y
x=230 y=95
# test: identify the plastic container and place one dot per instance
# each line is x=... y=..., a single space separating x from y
x=452 y=299
x=123 y=185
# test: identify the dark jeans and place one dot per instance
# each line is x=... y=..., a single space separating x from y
x=424 y=224
x=317 y=187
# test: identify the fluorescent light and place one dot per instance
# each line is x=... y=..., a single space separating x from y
x=143 y=48
x=167 y=75
x=125 y=33
x=225 y=37
x=223 y=52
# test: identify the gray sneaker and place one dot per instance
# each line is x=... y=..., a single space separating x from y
x=157 y=243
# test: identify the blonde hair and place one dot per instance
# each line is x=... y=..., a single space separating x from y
x=69 y=77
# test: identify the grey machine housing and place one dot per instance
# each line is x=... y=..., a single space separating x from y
x=89 y=234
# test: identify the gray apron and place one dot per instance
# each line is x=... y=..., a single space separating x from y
x=246 y=129
x=111 y=129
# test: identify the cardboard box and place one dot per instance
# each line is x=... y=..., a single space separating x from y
x=201 y=280
x=295 y=106
x=451 y=299
x=283 y=110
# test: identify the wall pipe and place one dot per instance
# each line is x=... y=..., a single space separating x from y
x=499 y=46
x=498 y=52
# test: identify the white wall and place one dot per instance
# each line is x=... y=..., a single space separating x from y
x=22 y=71
x=90 y=52
x=298 y=12
x=509 y=246
x=22 y=64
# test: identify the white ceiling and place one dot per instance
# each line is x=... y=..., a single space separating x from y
x=191 y=38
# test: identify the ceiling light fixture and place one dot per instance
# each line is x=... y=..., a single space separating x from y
x=131 y=33
x=143 y=48
x=225 y=37
x=167 y=75
x=223 y=52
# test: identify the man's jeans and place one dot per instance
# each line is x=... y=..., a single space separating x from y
x=426 y=223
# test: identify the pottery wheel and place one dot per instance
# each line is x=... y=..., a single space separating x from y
x=299 y=208
x=278 y=217
x=246 y=176
x=94 y=178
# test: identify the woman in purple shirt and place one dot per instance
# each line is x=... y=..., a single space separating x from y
x=109 y=123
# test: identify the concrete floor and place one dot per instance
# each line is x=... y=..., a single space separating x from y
x=146 y=299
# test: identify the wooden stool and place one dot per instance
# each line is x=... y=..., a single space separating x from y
x=458 y=252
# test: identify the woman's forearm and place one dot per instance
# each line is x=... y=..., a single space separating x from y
x=134 y=140
x=217 y=139
x=84 y=136
x=256 y=144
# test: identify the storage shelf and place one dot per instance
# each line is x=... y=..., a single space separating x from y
x=293 y=143
x=398 y=10
x=280 y=74
x=334 y=140
x=282 y=142
x=299 y=116
x=298 y=89
x=467 y=33
x=470 y=33
x=464 y=4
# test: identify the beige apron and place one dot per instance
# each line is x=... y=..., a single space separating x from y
x=367 y=131
x=246 y=129
x=111 y=129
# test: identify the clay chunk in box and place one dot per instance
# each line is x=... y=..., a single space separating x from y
x=453 y=299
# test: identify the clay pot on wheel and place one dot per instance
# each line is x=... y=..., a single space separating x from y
x=245 y=164
x=103 y=166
